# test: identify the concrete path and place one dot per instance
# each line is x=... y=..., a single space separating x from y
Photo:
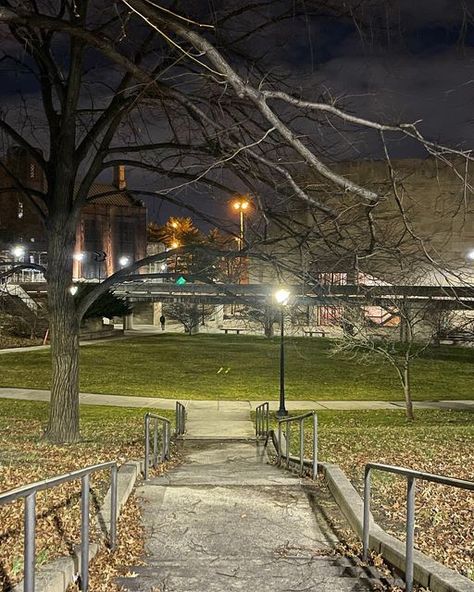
x=26 y=394
x=227 y=521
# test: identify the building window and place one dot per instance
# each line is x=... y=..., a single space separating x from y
x=20 y=209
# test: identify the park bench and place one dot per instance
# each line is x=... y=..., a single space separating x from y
x=455 y=336
x=311 y=332
x=235 y=329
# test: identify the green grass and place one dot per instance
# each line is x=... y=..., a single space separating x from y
x=176 y=366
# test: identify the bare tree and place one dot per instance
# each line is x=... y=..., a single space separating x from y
x=189 y=314
x=174 y=94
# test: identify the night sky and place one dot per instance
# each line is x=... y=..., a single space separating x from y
x=418 y=64
x=415 y=63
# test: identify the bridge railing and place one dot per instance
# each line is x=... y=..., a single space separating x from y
x=28 y=493
x=410 y=502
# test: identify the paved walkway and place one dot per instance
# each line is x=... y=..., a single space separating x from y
x=223 y=406
x=228 y=521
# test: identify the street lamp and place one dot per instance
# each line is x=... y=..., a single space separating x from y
x=18 y=251
x=124 y=261
x=282 y=296
x=470 y=255
x=79 y=256
x=241 y=205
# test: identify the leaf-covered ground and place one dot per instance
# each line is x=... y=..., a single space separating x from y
x=440 y=442
x=108 y=434
x=9 y=341
x=176 y=366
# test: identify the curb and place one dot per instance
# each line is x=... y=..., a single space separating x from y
x=57 y=575
x=427 y=572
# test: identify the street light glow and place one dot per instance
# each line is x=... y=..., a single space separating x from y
x=78 y=256
x=282 y=296
x=470 y=255
x=18 y=251
x=73 y=290
x=124 y=261
x=174 y=244
x=241 y=204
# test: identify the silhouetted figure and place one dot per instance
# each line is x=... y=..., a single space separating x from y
x=162 y=322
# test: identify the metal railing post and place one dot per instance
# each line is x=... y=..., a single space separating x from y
x=155 y=443
x=147 y=445
x=301 y=447
x=85 y=533
x=288 y=436
x=366 y=526
x=267 y=419
x=280 y=437
x=29 y=544
x=410 y=533
x=113 y=508
x=257 y=416
x=163 y=443
x=315 y=446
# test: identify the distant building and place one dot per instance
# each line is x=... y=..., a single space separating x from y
x=439 y=208
x=111 y=231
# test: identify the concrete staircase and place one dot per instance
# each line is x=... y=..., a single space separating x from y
x=226 y=520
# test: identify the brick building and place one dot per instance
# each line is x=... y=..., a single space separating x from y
x=111 y=230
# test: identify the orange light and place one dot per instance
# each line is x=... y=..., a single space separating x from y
x=174 y=224
x=174 y=245
x=236 y=205
x=244 y=205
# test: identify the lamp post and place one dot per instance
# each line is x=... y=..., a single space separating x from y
x=282 y=296
x=241 y=205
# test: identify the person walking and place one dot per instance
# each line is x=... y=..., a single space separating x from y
x=162 y=322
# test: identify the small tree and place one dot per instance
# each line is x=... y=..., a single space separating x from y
x=362 y=337
x=189 y=314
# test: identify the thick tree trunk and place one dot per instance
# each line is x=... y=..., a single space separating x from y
x=63 y=424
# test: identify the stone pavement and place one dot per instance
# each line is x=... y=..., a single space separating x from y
x=208 y=406
x=228 y=521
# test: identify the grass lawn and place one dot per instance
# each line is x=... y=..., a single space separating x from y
x=177 y=366
x=109 y=433
x=439 y=442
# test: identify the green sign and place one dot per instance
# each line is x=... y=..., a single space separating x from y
x=181 y=281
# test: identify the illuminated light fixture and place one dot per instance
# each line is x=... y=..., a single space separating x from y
x=282 y=296
x=470 y=255
x=73 y=290
x=174 y=224
x=174 y=244
x=163 y=266
x=124 y=261
x=78 y=256
x=18 y=251
x=241 y=204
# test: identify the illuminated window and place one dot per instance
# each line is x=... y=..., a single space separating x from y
x=20 y=209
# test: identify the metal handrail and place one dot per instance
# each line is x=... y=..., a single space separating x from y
x=165 y=440
x=262 y=420
x=300 y=457
x=410 y=520
x=28 y=492
x=180 y=419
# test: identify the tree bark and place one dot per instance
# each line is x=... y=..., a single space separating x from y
x=63 y=423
